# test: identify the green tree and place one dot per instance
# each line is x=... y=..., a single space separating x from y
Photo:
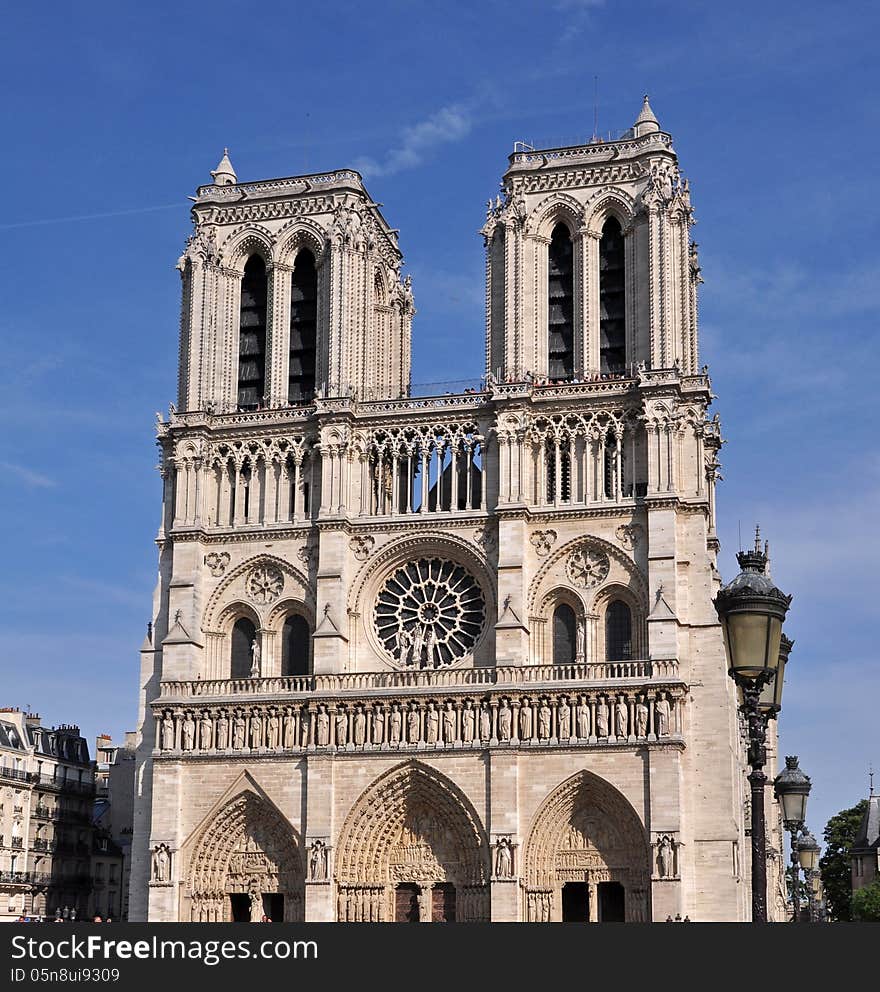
x=866 y=903
x=840 y=832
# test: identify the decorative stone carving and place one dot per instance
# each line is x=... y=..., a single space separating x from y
x=485 y=538
x=264 y=583
x=362 y=546
x=662 y=711
x=665 y=857
x=307 y=554
x=543 y=541
x=217 y=562
x=629 y=535
x=587 y=568
x=505 y=724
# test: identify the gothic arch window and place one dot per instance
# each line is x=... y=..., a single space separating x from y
x=295 y=643
x=497 y=302
x=252 y=335
x=244 y=633
x=612 y=300
x=564 y=635
x=560 y=305
x=618 y=631
x=303 y=328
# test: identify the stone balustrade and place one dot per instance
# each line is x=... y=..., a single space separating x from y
x=517 y=717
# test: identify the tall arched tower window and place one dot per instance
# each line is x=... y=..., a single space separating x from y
x=560 y=305
x=244 y=633
x=564 y=635
x=295 y=640
x=497 y=302
x=252 y=335
x=303 y=326
x=612 y=300
x=618 y=632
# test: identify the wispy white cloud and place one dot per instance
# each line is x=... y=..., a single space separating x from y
x=445 y=126
x=28 y=477
x=577 y=13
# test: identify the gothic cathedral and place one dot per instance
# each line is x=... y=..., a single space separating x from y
x=442 y=658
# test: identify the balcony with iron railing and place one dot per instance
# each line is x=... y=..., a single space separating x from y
x=16 y=774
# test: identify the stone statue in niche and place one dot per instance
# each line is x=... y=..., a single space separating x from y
x=161 y=864
x=504 y=858
x=580 y=640
x=206 y=732
x=641 y=718
x=238 y=732
x=467 y=722
x=661 y=715
x=378 y=725
x=256 y=901
x=222 y=731
x=167 y=732
x=563 y=716
x=189 y=732
x=544 y=721
x=289 y=728
x=405 y=645
x=272 y=730
x=485 y=722
x=601 y=718
x=360 y=726
x=449 y=735
x=256 y=731
x=322 y=728
x=341 y=728
x=622 y=719
x=665 y=857
x=432 y=724
x=583 y=719
x=525 y=721
x=255 y=658
x=318 y=861
x=395 y=725
x=505 y=721
x=412 y=724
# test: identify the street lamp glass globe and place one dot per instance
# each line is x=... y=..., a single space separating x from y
x=808 y=851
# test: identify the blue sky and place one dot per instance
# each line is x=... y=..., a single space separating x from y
x=115 y=112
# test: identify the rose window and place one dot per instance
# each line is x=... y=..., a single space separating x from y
x=429 y=613
x=264 y=583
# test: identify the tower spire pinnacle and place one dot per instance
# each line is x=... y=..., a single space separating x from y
x=224 y=174
x=646 y=122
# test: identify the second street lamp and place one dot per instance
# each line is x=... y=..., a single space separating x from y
x=751 y=610
x=792 y=789
x=808 y=855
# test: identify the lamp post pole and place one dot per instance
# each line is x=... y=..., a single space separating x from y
x=751 y=610
x=792 y=789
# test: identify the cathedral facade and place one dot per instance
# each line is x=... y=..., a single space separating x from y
x=442 y=658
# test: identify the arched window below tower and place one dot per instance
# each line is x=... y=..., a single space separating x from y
x=612 y=299
x=295 y=645
x=564 y=635
x=560 y=305
x=244 y=633
x=303 y=328
x=618 y=632
x=252 y=335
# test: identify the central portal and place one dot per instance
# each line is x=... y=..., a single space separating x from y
x=575 y=902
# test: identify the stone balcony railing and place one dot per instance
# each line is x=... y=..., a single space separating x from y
x=421 y=679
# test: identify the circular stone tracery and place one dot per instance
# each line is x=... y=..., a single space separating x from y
x=429 y=613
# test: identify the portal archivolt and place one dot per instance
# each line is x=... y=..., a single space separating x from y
x=412 y=849
x=246 y=864
x=586 y=857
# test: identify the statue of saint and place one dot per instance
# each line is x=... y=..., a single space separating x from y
x=272 y=728
x=505 y=721
x=206 y=732
x=167 y=732
x=378 y=725
x=641 y=718
x=504 y=858
x=601 y=718
x=661 y=716
x=255 y=658
x=467 y=723
x=341 y=728
x=564 y=718
x=256 y=731
x=360 y=727
x=485 y=722
x=222 y=731
x=160 y=863
x=238 y=731
x=412 y=725
x=395 y=725
x=189 y=732
x=449 y=723
x=622 y=717
x=545 y=717
x=432 y=724
x=525 y=721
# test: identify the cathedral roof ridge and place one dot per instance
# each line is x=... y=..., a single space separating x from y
x=599 y=150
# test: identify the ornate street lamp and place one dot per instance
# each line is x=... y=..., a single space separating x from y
x=808 y=855
x=792 y=788
x=751 y=610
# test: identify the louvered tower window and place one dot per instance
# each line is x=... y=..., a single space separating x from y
x=303 y=324
x=243 y=635
x=618 y=632
x=252 y=335
x=560 y=305
x=564 y=635
x=612 y=310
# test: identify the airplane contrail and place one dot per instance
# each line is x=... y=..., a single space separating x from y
x=98 y=216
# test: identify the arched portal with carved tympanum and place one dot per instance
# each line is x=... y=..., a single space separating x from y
x=245 y=864
x=412 y=849
x=587 y=856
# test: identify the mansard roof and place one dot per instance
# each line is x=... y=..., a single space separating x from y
x=10 y=737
